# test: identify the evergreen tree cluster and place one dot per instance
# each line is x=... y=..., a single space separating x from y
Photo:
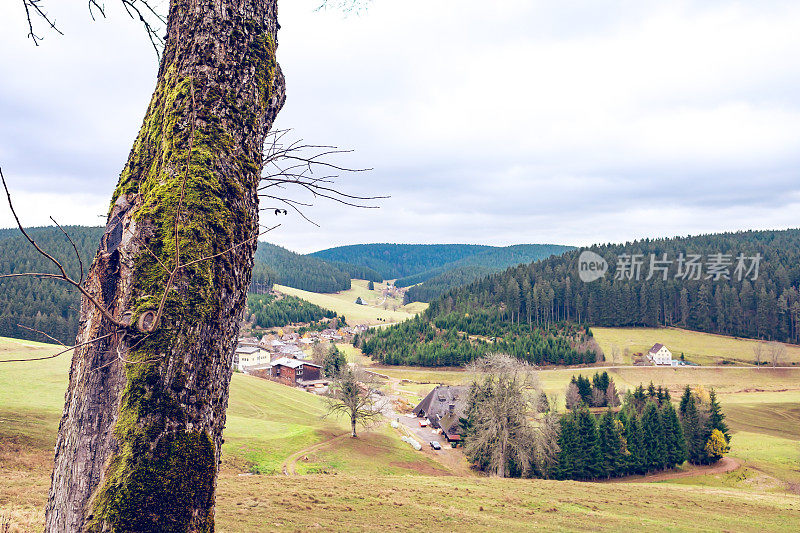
x=436 y=281
x=647 y=435
x=600 y=391
x=457 y=339
x=269 y=310
x=550 y=291
x=333 y=362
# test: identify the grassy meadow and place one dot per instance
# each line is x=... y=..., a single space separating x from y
x=437 y=503
x=373 y=313
x=378 y=482
x=697 y=347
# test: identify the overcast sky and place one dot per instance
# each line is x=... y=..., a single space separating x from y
x=496 y=123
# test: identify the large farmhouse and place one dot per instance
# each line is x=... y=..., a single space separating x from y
x=444 y=406
x=660 y=355
x=294 y=372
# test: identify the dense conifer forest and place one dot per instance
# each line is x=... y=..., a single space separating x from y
x=393 y=261
x=457 y=339
x=43 y=304
x=445 y=265
x=301 y=271
x=52 y=307
x=494 y=259
x=716 y=296
x=269 y=310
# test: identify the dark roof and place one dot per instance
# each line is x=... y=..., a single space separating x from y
x=436 y=404
x=656 y=347
x=449 y=423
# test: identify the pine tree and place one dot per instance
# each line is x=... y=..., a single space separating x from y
x=611 y=448
x=635 y=459
x=674 y=440
x=692 y=429
x=687 y=396
x=567 y=443
x=588 y=461
x=716 y=418
x=653 y=438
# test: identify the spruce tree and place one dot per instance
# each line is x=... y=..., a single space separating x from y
x=653 y=438
x=588 y=461
x=692 y=429
x=716 y=418
x=567 y=443
x=687 y=396
x=635 y=459
x=611 y=448
x=675 y=441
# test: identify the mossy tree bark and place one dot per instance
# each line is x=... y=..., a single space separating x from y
x=139 y=441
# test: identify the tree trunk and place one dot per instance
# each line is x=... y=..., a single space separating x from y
x=139 y=441
x=353 y=427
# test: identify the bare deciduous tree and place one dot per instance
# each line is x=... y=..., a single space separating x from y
x=612 y=396
x=140 y=437
x=758 y=352
x=503 y=398
x=353 y=393
x=572 y=397
x=776 y=352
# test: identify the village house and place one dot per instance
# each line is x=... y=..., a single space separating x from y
x=444 y=406
x=660 y=355
x=294 y=372
x=248 y=355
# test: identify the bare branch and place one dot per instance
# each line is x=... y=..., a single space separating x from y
x=80 y=261
x=63 y=276
x=33 y=9
x=152 y=21
x=62 y=351
x=295 y=164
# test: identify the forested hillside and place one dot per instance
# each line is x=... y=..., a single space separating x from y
x=52 y=307
x=457 y=339
x=46 y=305
x=269 y=310
x=301 y=271
x=703 y=290
x=743 y=284
x=435 y=282
x=394 y=261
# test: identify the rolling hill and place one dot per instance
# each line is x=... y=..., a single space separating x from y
x=393 y=261
x=52 y=307
x=537 y=297
x=437 y=267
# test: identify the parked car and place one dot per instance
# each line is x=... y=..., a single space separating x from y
x=423 y=423
x=435 y=445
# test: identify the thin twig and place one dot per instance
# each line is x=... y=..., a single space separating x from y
x=80 y=261
x=63 y=276
x=62 y=351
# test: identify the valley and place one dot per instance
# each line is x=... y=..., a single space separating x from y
x=274 y=430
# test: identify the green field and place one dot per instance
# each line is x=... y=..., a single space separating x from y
x=378 y=482
x=700 y=348
x=373 y=313
x=266 y=424
x=427 y=503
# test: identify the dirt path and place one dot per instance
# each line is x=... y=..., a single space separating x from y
x=723 y=466
x=288 y=466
